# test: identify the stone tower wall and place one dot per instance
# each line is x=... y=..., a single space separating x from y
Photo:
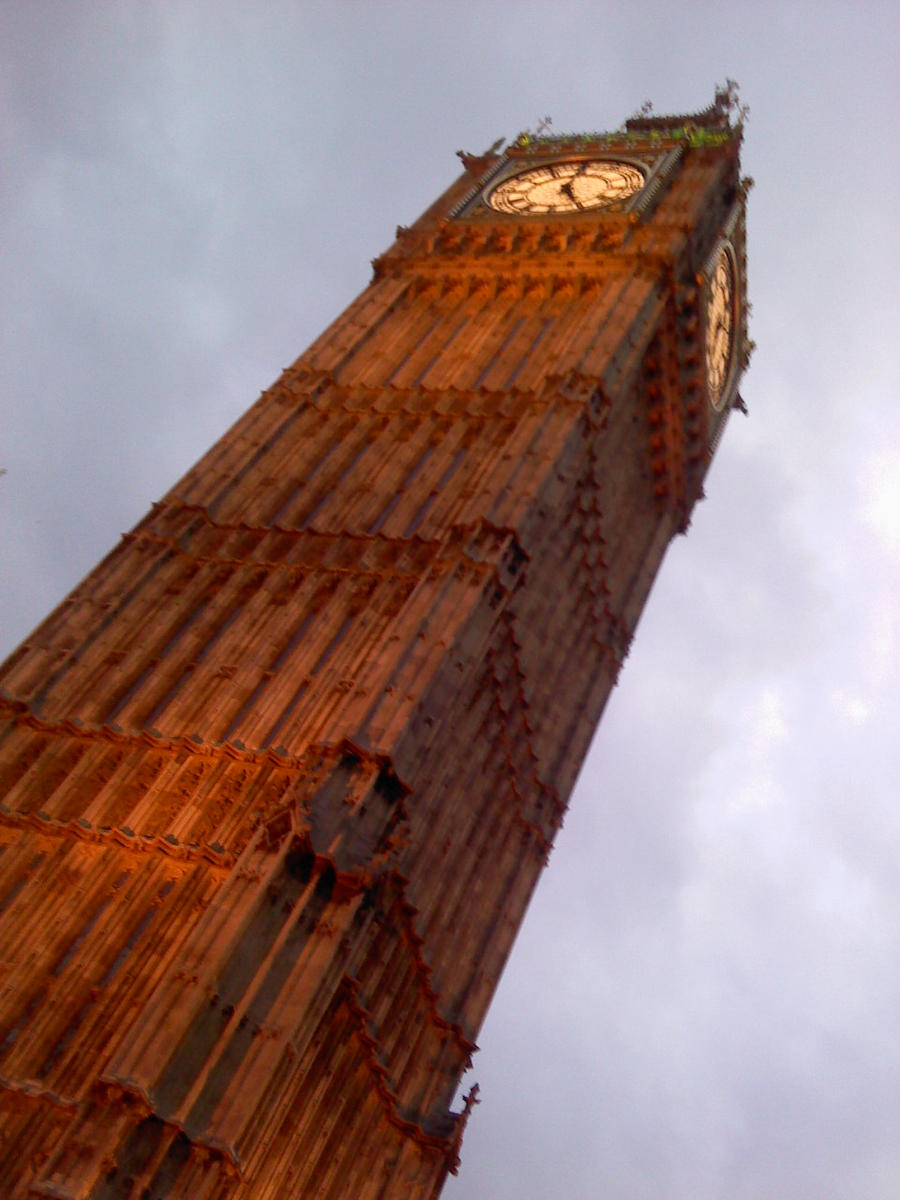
x=280 y=775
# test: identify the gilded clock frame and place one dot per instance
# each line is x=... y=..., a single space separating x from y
x=618 y=204
x=719 y=396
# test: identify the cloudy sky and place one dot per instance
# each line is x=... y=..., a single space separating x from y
x=704 y=1001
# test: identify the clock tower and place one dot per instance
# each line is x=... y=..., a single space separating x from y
x=278 y=778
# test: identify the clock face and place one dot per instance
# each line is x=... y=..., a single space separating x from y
x=567 y=187
x=720 y=319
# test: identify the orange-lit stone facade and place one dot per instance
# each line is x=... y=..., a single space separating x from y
x=279 y=777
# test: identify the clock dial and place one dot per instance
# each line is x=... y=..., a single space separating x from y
x=720 y=312
x=567 y=187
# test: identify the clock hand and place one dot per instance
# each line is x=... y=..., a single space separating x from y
x=566 y=189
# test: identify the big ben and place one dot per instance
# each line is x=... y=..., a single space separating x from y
x=280 y=775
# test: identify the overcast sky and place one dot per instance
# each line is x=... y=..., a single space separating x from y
x=704 y=1001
